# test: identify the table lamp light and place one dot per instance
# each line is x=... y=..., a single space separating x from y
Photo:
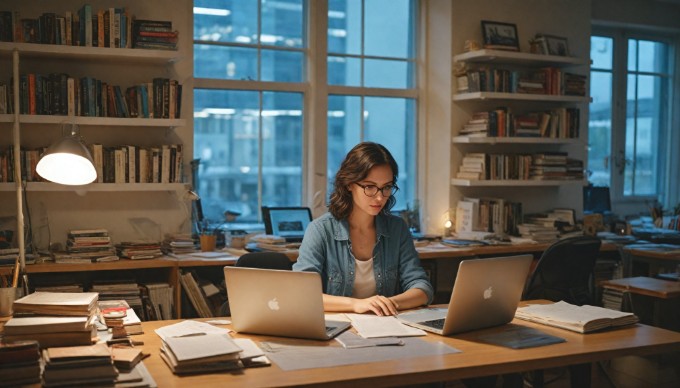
x=67 y=161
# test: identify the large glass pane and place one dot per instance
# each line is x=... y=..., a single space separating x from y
x=225 y=20
x=283 y=23
x=601 y=52
x=653 y=57
x=344 y=26
x=344 y=71
x=642 y=135
x=392 y=123
x=632 y=55
x=226 y=133
x=388 y=74
x=600 y=128
x=282 y=66
x=344 y=131
x=225 y=62
x=282 y=149
x=389 y=28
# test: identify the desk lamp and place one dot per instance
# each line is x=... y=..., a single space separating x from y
x=67 y=161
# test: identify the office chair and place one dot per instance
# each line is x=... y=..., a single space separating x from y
x=264 y=260
x=565 y=272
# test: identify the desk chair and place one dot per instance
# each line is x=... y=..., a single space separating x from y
x=264 y=260
x=565 y=272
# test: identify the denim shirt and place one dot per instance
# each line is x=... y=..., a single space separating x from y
x=326 y=249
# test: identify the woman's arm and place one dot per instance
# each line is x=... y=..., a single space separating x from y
x=378 y=304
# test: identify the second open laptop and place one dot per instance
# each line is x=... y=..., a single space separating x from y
x=279 y=303
x=485 y=294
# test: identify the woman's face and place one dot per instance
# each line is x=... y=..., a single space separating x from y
x=379 y=176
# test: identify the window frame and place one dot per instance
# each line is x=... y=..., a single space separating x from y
x=665 y=193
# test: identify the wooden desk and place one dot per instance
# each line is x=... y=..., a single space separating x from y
x=661 y=295
x=658 y=257
x=476 y=359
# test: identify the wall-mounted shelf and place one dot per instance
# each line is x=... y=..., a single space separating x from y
x=514 y=183
x=94 y=121
x=512 y=140
x=97 y=187
x=102 y=54
x=481 y=96
x=512 y=57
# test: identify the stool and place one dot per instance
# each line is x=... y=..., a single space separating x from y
x=663 y=293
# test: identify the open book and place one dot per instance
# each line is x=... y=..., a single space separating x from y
x=582 y=319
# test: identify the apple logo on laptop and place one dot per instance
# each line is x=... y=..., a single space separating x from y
x=488 y=293
x=273 y=304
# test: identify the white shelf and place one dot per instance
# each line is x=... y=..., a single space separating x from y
x=512 y=140
x=480 y=96
x=103 y=121
x=514 y=183
x=513 y=57
x=103 y=54
x=97 y=187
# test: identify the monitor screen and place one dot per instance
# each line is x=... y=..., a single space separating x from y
x=286 y=221
x=596 y=200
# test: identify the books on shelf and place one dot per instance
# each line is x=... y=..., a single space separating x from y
x=547 y=80
x=542 y=166
x=581 y=319
x=195 y=295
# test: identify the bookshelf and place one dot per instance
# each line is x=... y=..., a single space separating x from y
x=536 y=195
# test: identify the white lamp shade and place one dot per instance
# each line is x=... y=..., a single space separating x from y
x=67 y=162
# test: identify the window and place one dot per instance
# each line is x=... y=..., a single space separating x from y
x=372 y=83
x=626 y=137
x=251 y=95
x=249 y=65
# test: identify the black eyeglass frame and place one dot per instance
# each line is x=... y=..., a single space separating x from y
x=393 y=189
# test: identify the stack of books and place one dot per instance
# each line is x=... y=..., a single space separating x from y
x=54 y=319
x=154 y=34
x=126 y=289
x=19 y=363
x=79 y=365
x=137 y=250
x=474 y=166
x=161 y=299
x=179 y=244
x=120 y=318
x=205 y=353
x=87 y=245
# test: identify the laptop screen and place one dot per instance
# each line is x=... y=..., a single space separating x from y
x=287 y=222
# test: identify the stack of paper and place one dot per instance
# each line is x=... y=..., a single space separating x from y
x=79 y=365
x=19 y=363
x=582 y=319
x=54 y=319
x=201 y=353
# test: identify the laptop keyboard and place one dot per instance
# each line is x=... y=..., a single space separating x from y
x=435 y=323
x=330 y=329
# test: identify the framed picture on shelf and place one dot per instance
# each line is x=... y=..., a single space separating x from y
x=500 y=36
x=555 y=45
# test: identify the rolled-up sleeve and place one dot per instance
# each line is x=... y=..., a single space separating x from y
x=411 y=273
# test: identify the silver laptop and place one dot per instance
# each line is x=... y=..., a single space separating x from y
x=280 y=303
x=485 y=294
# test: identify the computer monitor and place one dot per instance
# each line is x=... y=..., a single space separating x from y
x=596 y=200
x=287 y=222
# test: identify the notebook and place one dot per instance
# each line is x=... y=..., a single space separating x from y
x=278 y=302
x=485 y=294
x=287 y=222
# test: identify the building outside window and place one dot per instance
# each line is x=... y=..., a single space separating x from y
x=252 y=81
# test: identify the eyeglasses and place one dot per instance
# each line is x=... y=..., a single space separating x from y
x=372 y=190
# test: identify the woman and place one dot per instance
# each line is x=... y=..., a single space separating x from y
x=365 y=256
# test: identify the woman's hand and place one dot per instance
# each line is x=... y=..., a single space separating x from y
x=378 y=304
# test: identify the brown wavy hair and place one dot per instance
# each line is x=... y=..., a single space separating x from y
x=358 y=162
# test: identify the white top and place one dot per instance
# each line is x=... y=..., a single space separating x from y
x=364 y=279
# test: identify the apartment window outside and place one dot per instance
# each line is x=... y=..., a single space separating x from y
x=627 y=138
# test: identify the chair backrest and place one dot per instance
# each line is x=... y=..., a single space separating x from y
x=564 y=271
x=265 y=260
